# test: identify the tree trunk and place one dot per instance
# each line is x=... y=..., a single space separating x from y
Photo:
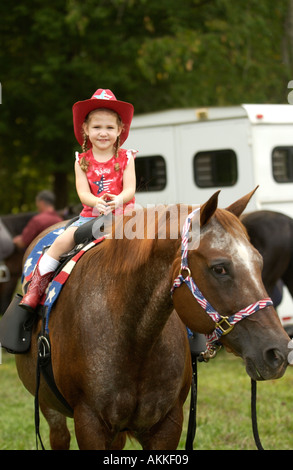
x=61 y=189
x=288 y=38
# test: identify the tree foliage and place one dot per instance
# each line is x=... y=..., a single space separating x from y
x=157 y=55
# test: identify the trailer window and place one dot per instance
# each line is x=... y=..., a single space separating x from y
x=151 y=173
x=215 y=168
x=282 y=163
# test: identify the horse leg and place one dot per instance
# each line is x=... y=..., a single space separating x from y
x=166 y=434
x=59 y=433
x=119 y=441
x=92 y=433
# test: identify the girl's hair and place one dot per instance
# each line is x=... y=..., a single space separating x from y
x=84 y=164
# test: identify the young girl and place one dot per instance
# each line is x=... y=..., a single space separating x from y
x=104 y=173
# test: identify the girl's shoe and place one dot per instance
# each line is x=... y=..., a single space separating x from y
x=36 y=289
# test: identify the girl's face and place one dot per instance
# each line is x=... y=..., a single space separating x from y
x=103 y=129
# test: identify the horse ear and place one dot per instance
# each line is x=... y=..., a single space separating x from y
x=238 y=207
x=208 y=209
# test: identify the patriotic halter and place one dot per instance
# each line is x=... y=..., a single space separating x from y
x=223 y=325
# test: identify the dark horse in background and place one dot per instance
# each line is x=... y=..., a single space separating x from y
x=15 y=225
x=120 y=352
x=271 y=233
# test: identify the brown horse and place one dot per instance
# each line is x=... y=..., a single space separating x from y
x=120 y=352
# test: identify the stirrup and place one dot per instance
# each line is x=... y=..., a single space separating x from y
x=16 y=327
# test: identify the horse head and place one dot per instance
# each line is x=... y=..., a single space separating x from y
x=226 y=271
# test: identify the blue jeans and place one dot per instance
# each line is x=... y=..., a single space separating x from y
x=81 y=220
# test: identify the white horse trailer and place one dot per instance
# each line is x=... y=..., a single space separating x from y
x=186 y=155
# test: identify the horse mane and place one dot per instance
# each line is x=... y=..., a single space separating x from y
x=134 y=238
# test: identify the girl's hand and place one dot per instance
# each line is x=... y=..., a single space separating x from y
x=113 y=201
x=102 y=205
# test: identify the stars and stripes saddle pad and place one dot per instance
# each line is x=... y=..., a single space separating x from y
x=63 y=274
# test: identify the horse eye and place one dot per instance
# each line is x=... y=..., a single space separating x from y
x=219 y=270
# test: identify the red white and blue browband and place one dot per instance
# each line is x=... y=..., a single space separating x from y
x=223 y=324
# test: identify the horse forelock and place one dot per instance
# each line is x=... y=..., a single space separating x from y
x=230 y=222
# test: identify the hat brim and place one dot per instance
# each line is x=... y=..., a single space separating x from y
x=81 y=109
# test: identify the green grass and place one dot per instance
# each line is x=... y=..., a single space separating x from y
x=223 y=410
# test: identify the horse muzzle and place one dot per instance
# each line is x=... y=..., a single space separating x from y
x=272 y=364
x=266 y=355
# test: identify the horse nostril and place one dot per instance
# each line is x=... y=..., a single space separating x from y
x=274 y=357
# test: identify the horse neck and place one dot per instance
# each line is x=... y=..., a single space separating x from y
x=149 y=306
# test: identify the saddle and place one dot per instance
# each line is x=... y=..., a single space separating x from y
x=85 y=233
x=82 y=236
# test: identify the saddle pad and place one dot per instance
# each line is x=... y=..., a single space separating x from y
x=58 y=282
x=36 y=253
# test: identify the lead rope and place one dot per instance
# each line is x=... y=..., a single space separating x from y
x=37 y=412
x=191 y=430
x=253 y=416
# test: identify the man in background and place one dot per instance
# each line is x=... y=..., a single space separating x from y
x=47 y=216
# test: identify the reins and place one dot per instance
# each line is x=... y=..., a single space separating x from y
x=191 y=429
x=223 y=326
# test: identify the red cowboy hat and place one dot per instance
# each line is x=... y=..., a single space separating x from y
x=101 y=99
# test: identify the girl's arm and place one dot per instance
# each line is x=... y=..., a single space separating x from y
x=84 y=193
